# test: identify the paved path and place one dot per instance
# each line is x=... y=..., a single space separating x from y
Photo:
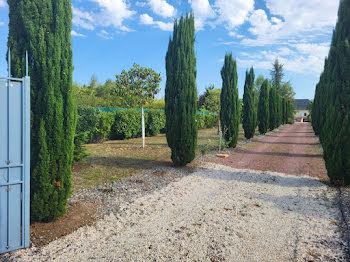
x=293 y=149
x=218 y=213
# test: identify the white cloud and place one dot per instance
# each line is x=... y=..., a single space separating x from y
x=82 y=19
x=148 y=20
x=109 y=13
x=113 y=13
x=2 y=23
x=3 y=3
x=301 y=58
x=162 y=8
x=104 y=34
x=261 y=25
x=235 y=35
x=233 y=13
x=299 y=21
x=301 y=14
x=74 y=33
x=140 y=4
x=202 y=12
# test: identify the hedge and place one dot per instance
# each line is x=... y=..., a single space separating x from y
x=95 y=126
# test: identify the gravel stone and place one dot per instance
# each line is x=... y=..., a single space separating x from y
x=208 y=213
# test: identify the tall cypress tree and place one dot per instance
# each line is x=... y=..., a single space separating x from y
x=249 y=110
x=331 y=108
x=181 y=92
x=273 y=108
x=263 y=110
x=279 y=110
x=229 y=111
x=284 y=111
x=43 y=28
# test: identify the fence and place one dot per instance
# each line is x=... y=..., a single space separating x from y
x=14 y=161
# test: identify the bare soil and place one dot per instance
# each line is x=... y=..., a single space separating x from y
x=293 y=149
x=79 y=214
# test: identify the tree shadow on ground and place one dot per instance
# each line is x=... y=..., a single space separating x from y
x=291 y=136
x=296 y=132
x=287 y=143
x=127 y=162
x=278 y=154
x=261 y=177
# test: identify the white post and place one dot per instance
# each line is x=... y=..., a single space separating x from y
x=143 y=128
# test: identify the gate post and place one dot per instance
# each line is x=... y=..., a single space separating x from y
x=26 y=131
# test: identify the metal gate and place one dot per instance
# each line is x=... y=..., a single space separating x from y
x=14 y=161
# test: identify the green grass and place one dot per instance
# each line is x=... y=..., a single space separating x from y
x=115 y=159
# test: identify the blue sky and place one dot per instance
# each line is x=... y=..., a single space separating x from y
x=110 y=35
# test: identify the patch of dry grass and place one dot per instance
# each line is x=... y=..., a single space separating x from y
x=115 y=159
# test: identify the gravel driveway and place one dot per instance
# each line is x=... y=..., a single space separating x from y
x=217 y=213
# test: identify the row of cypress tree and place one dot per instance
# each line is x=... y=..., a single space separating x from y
x=181 y=94
x=331 y=107
x=272 y=110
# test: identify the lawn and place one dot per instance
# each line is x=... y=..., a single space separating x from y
x=115 y=159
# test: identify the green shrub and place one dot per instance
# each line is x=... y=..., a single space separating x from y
x=155 y=122
x=79 y=149
x=103 y=127
x=88 y=118
x=211 y=120
x=127 y=124
x=200 y=120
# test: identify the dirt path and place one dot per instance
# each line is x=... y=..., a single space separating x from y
x=219 y=212
x=293 y=149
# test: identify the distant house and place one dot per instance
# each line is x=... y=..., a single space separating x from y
x=301 y=110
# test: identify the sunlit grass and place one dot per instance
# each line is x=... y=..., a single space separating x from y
x=113 y=160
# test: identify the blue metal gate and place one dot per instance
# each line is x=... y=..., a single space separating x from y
x=14 y=162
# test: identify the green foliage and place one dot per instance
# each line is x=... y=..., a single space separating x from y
x=263 y=110
x=79 y=150
x=277 y=75
x=127 y=124
x=259 y=82
x=156 y=104
x=98 y=95
x=181 y=92
x=331 y=106
x=155 y=122
x=103 y=127
x=200 y=121
x=279 y=111
x=210 y=100
x=206 y=121
x=286 y=91
x=249 y=110
x=290 y=112
x=211 y=120
x=93 y=126
x=87 y=123
x=138 y=85
x=273 y=109
x=229 y=112
x=43 y=28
